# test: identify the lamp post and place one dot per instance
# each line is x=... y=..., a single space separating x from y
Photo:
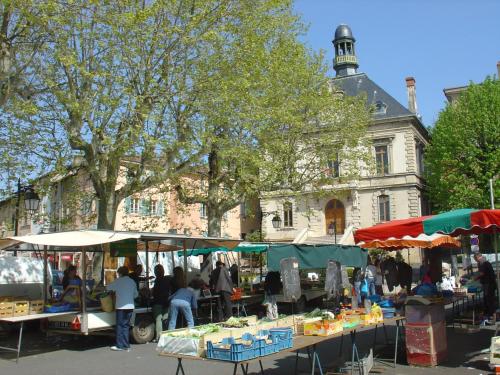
x=31 y=203
x=276 y=221
x=332 y=229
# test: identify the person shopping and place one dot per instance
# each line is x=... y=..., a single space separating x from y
x=161 y=294
x=370 y=275
x=223 y=285
x=488 y=282
x=125 y=291
x=272 y=286
x=182 y=300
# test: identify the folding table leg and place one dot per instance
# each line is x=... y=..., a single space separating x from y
x=261 y=367
x=341 y=344
x=19 y=341
x=396 y=344
x=235 y=368
x=316 y=362
x=179 y=367
x=296 y=362
x=355 y=353
x=244 y=369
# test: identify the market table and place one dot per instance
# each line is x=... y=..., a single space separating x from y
x=300 y=342
x=21 y=320
x=210 y=299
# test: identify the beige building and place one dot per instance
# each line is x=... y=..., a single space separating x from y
x=394 y=191
x=69 y=203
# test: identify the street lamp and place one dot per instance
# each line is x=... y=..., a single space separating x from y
x=31 y=202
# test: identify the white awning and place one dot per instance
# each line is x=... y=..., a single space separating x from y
x=76 y=238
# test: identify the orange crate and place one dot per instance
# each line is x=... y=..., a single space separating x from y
x=36 y=306
x=21 y=308
x=6 y=309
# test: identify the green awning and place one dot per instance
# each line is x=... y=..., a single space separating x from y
x=316 y=256
x=247 y=247
x=205 y=251
x=448 y=222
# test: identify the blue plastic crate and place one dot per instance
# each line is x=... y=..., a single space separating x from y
x=282 y=337
x=235 y=353
x=388 y=312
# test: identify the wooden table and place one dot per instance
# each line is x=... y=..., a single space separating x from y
x=308 y=343
x=21 y=320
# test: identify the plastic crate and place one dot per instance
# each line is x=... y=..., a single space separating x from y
x=388 y=312
x=6 y=309
x=21 y=308
x=229 y=350
x=425 y=359
x=495 y=350
x=281 y=337
x=36 y=306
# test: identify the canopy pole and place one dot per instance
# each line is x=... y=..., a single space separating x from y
x=147 y=263
x=45 y=274
x=495 y=243
x=84 y=322
x=184 y=250
x=239 y=267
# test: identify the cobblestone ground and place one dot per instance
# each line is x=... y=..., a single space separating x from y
x=77 y=355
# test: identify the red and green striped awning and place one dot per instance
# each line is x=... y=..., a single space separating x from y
x=454 y=223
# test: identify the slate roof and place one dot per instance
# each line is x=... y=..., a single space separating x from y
x=356 y=84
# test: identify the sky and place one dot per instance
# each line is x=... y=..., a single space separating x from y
x=441 y=43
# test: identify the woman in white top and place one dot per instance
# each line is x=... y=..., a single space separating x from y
x=378 y=278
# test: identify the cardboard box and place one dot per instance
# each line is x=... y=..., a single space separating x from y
x=322 y=327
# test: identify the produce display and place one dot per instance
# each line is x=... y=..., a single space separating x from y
x=247 y=337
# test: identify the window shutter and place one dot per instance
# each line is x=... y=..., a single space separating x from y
x=144 y=208
x=128 y=203
x=160 y=208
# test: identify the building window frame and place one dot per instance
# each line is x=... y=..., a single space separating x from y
x=334 y=167
x=153 y=207
x=384 y=208
x=386 y=167
x=287 y=215
x=203 y=211
x=135 y=206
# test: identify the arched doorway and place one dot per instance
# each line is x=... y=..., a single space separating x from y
x=335 y=213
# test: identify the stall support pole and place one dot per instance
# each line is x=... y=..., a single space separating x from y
x=184 y=253
x=239 y=268
x=147 y=263
x=84 y=322
x=45 y=275
x=495 y=243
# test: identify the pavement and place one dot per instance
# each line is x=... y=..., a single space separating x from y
x=78 y=355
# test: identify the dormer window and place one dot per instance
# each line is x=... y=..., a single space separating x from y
x=380 y=107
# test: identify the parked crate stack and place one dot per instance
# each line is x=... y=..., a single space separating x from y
x=426 y=343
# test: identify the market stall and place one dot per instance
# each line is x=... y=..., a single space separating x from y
x=81 y=318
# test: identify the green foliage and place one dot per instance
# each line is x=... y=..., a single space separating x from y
x=464 y=152
x=255 y=236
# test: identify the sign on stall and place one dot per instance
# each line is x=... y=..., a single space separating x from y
x=291 y=279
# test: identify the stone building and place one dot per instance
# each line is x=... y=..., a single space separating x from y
x=394 y=191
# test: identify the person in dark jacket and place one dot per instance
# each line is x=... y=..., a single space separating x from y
x=405 y=275
x=390 y=272
x=161 y=294
x=488 y=282
x=272 y=287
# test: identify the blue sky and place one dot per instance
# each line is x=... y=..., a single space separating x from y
x=442 y=43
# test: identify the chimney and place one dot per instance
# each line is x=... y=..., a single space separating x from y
x=412 y=95
x=498 y=69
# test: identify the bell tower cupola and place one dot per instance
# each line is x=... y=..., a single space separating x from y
x=345 y=62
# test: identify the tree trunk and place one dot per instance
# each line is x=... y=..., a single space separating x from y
x=106 y=217
x=214 y=221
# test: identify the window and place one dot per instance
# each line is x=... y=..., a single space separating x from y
x=287 y=215
x=135 y=205
x=243 y=210
x=203 y=211
x=384 y=208
x=153 y=207
x=419 y=151
x=334 y=168
x=380 y=108
x=382 y=159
